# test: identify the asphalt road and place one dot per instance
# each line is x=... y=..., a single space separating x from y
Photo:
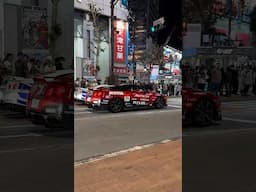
x=99 y=133
x=33 y=158
x=222 y=157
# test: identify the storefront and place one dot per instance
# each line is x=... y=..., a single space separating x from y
x=224 y=56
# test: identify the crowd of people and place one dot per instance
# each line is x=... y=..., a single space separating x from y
x=223 y=81
x=22 y=65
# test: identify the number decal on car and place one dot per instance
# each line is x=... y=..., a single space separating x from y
x=139 y=102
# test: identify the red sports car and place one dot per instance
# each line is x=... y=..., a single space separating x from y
x=201 y=108
x=119 y=98
x=51 y=101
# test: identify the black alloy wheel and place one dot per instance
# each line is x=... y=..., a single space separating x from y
x=116 y=105
x=203 y=112
x=159 y=103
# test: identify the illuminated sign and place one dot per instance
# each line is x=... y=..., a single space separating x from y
x=120 y=41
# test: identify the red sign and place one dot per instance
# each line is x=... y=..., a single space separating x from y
x=120 y=70
x=120 y=41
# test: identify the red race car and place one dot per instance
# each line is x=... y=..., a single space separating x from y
x=119 y=98
x=51 y=101
x=200 y=108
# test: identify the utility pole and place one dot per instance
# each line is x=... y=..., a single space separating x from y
x=111 y=73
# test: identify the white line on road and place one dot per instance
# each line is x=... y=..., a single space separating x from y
x=21 y=135
x=239 y=120
x=175 y=106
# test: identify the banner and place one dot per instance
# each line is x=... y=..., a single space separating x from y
x=34 y=28
x=120 y=41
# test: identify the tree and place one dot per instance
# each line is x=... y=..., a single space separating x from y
x=154 y=55
x=99 y=36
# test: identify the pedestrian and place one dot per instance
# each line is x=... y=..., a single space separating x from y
x=216 y=77
x=20 y=65
x=7 y=66
x=201 y=79
x=228 y=81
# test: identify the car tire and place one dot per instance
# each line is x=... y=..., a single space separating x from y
x=116 y=105
x=159 y=103
x=203 y=112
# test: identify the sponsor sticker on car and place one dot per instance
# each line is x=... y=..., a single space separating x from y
x=116 y=93
x=139 y=102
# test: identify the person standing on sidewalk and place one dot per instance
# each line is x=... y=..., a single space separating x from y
x=19 y=65
x=235 y=80
x=248 y=80
x=201 y=80
x=216 y=77
x=228 y=81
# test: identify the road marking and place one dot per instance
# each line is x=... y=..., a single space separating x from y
x=21 y=135
x=19 y=126
x=239 y=120
x=175 y=106
x=124 y=114
x=122 y=152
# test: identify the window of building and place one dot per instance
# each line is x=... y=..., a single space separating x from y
x=78 y=27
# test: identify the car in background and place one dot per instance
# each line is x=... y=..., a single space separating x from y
x=122 y=97
x=199 y=107
x=14 y=92
x=51 y=101
x=80 y=94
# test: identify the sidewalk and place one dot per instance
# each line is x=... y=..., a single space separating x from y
x=153 y=169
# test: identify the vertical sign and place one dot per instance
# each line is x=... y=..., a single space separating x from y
x=120 y=41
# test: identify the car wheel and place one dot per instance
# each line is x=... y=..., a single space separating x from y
x=116 y=105
x=203 y=113
x=159 y=103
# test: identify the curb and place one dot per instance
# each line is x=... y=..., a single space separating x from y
x=122 y=152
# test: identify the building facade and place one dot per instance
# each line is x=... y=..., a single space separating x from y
x=86 y=63
x=20 y=21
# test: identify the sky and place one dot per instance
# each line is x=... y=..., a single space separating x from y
x=172 y=11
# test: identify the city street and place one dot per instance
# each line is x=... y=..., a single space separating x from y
x=100 y=133
x=226 y=148
x=42 y=156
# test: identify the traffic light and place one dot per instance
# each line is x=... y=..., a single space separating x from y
x=152 y=29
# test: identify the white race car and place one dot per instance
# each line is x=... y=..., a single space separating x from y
x=15 y=90
x=80 y=94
